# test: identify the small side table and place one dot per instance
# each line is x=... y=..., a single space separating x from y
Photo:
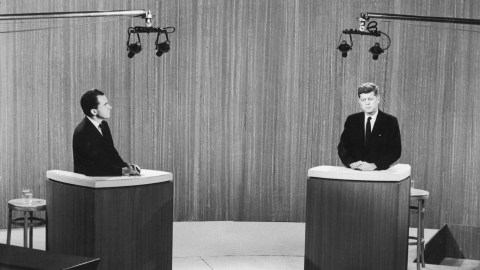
x=420 y=197
x=28 y=221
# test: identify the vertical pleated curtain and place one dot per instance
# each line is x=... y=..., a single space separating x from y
x=252 y=94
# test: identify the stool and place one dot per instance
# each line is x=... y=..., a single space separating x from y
x=419 y=196
x=27 y=206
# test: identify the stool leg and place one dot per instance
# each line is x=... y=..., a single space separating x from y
x=46 y=231
x=9 y=230
x=30 y=225
x=422 y=231
x=419 y=240
x=25 y=228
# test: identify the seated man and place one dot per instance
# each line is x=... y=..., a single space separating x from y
x=93 y=151
x=370 y=139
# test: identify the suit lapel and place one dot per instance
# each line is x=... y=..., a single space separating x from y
x=107 y=134
x=362 y=127
x=92 y=129
x=378 y=123
x=377 y=127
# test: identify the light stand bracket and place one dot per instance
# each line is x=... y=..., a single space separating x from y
x=386 y=16
x=146 y=14
x=358 y=32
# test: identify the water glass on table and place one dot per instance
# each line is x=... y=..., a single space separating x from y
x=27 y=195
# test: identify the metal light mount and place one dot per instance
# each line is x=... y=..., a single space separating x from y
x=368 y=30
x=143 y=13
x=148 y=18
x=364 y=29
x=376 y=49
x=133 y=48
x=387 y=16
x=343 y=46
x=371 y=29
x=161 y=48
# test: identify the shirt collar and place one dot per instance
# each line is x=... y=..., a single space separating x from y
x=374 y=117
x=95 y=123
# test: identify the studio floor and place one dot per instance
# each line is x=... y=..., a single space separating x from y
x=226 y=245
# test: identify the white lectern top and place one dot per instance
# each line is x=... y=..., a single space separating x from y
x=146 y=177
x=393 y=174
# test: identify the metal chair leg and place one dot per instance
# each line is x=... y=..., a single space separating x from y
x=25 y=229
x=30 y=227
x=46 y=231
x=419 y=240
x=9 y=226
x=422 y=230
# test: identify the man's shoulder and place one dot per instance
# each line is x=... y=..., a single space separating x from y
x=82 y=127
x=387 y=116
x=81 y=124
x=356 y=115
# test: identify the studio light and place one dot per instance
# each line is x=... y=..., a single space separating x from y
x=344 y=47
x=133 y=48
x=162 y=47
x=365 y=30
x=376 y=50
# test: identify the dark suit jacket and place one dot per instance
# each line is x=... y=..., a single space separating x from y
x=384 y=147
x=94 y=154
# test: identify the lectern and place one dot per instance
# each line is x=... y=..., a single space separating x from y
x=357 y=220
x=126 y=221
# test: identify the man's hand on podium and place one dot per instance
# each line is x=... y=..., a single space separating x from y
x=132 y=169
x=363 y=166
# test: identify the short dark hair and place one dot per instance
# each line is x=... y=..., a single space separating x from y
x=89 y=101
x=367 y=87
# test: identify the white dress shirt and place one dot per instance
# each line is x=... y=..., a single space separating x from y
x=372 y=121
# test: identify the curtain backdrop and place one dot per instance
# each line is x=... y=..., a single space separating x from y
x=252 y=94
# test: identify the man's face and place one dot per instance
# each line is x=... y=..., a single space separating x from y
x=369 y=102
x=104 y=108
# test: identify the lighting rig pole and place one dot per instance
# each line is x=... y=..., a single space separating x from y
x=132 y=48
x=370 y=29
x=367 y=16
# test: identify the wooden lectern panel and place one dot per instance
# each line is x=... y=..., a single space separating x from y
x=20 y=258
x=126 y=227
x=356 y=225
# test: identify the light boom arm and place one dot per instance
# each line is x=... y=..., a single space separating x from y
x=79 y=14
x=367 y=16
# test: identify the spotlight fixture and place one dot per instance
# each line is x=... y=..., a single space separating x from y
x=376 y=50
x=368 y=30
x=133 y=48
x=160 y=47
x=163 y=47
x=344 y=47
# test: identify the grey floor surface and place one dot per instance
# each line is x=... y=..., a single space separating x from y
x=225 y=245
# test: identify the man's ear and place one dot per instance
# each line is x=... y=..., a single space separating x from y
x=94 y=112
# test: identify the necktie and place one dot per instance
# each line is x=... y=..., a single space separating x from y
x=368 y=131
x=101 y=126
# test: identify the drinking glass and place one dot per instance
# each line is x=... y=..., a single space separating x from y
x=25 y=191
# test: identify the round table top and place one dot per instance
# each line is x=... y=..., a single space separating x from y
x=419 y=193
x=22 y=204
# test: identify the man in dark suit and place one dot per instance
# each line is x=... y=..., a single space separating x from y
x=370 y=139
x=94 y=153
